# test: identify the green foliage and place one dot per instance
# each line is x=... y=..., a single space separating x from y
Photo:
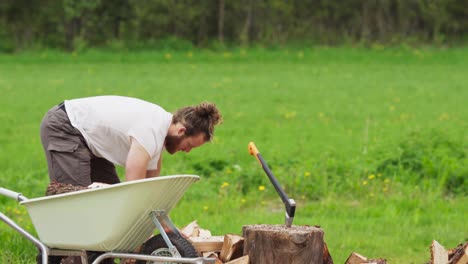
x=67 y=24
x=430 y=156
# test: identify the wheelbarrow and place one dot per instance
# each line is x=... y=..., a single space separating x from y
x=110 y=223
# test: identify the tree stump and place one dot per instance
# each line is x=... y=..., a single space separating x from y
x=278 y=244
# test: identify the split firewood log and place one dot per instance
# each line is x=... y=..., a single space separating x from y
x=459 y=255
x=241 y=260
x=439 y=254
x=233 y=247
x=212 y=255
x=191 y=230
x=207 y=244
x=356 y=258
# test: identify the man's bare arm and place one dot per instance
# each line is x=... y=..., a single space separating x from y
x=137 y=162
x=156 y=172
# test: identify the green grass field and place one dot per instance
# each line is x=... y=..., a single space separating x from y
x=372 y=143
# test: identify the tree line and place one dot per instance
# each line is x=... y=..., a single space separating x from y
x=72 y=24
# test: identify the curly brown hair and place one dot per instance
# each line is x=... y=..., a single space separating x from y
x=198 y=119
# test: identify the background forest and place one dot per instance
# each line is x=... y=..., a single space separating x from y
x=136 y=24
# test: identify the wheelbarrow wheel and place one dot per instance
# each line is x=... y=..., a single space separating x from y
x=51 y=259
x=156 y=246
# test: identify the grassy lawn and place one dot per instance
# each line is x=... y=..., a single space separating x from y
x=328 y=121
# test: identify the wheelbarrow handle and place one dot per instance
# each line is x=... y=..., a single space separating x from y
x=14 y=195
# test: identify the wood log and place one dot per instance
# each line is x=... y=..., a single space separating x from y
x=241 y=260
x=191 y=230
x=212 y=255
x=327 y=258
x=439 y=254
x=377 y=261
x=459 y=255
x=207 y=244
x=280 y=244
x=233 y=247
x=356 y=258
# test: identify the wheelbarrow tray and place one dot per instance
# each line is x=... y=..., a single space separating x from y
x=113 y=218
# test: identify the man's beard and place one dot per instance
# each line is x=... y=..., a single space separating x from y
x=172 y=143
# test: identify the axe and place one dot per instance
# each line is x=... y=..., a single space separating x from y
x=290 y=204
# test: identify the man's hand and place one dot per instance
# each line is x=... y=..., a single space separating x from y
x=137 y=162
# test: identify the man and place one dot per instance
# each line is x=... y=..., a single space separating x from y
x=83 y=138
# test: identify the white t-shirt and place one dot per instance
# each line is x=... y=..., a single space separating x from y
x=108 y=122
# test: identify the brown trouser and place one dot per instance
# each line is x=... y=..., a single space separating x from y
x=68 y=157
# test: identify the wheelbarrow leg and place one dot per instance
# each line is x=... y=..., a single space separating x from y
x=164 y=225
x=42 y=248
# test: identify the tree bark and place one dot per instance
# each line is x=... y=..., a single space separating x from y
x=221 y=20
x=245 y=33
x=271 y=244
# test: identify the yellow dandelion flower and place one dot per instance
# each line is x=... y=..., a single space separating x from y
x=364 y=183
x=386 y=181
x=289 y=115
x=243 y=201
x=224 y=185
x=444 y=116
x=306 y=174
x=371 y=177
x=228 y=171
x=404 y=117
x=205 y=208
x=261 y=188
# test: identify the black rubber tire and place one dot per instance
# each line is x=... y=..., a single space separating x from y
x=51 y=260
x=157 y=243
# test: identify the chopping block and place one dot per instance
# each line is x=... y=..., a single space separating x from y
x=275 y=244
